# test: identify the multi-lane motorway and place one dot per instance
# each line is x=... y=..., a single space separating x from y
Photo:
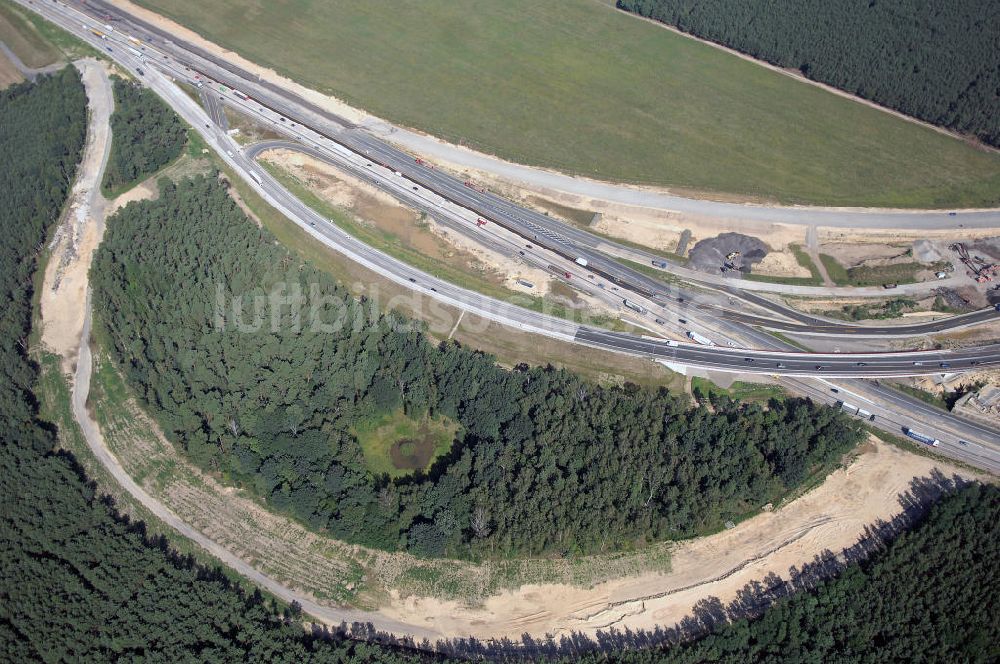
x=795 y=363
x=559 y=238
x=773 y=359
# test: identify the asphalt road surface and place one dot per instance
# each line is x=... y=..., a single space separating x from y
x=937 y=423
x=831 y=217
x=659 y=292
x=555 y=235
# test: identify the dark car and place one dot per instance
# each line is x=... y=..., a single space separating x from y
x=412 y=280
x=682 y=321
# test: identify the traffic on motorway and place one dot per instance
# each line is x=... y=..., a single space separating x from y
x=302 y=121
x=691 y=352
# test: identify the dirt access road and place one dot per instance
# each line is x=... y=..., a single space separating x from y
x=830 y=517
x=64 y=291
x=66 y=320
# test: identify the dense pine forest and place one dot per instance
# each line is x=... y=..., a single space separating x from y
x=146 y=135
x=77 y=581
x=543 y=462
x=42 y=131
x=936 y=61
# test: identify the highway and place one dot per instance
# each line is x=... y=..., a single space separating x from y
x=538 y=178
x=554 y=235
x=798 y=367
x=99 y=87
x=799 y=215
x=846 y=365
x=658 y=292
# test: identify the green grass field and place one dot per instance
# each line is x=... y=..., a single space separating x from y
x=575 y=85
x=36 y=41
x=423 y=440
x=21 y=37
x=738 y=391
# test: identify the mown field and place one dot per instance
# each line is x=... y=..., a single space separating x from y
x=575 y=85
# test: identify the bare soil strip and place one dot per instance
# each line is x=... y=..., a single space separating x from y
x=64 y=290
x=657 y=585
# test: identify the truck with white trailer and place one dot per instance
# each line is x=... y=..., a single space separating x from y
x=701 y=339
x=923 y=438
x=634 y=306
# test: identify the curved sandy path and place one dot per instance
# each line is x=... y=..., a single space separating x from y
x=87 y=218
x=830 y=517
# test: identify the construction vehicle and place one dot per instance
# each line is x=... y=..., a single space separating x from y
x=480 y=222
x=697 y=338
x=567 y=275
x=979 y=269
x=915 y=435
x=472 y=185
x=581 y=261
x=638 y=308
